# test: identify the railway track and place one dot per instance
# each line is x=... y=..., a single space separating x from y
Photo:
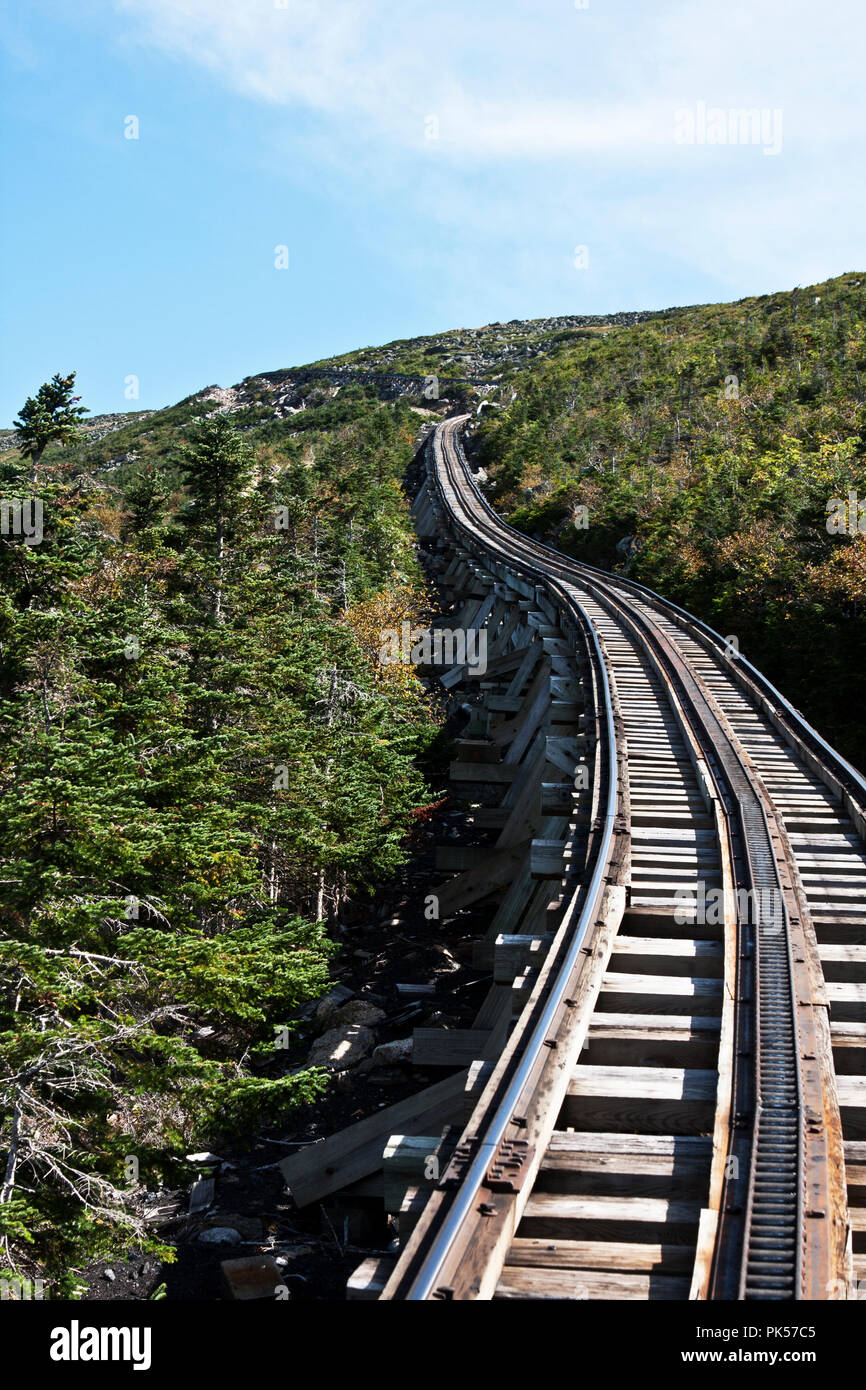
x=679 y=1110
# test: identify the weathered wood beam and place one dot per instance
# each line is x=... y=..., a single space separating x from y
x=476 y=884
x=448 y=1047
x=353 y=1153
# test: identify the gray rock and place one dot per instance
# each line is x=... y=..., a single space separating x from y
x=247 y=1227
x=219 y=1235
x=387 y=1054
x=332 y=1001
x=110 y=1275
x=357 y=1011
x=201 y=1194
x=341 y=1048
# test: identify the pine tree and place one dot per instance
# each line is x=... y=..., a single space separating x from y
x=217 y=466
x=51 y=416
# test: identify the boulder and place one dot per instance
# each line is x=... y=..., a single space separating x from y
x=219 y=1235
x=246 y=1227
x=333 y=1000
x=390 y=1053
x=357 y=1011
x=341 y=1048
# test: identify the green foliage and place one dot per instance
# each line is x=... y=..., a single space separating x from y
x=202 y=761
x=51 y=416
x=216 y=464
x=706 y=444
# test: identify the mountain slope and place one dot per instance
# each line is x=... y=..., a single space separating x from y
x=701 y=451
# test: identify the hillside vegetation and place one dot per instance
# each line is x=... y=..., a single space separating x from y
x=200 y=753
x=706 y=445
x=200 y=756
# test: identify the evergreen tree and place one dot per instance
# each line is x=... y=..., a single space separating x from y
x=217 y=466
x=51 y=416
x=192 y=786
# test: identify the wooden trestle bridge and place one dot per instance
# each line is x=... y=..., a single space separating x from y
x=663 y=1095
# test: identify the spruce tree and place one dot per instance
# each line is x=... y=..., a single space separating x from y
x=51 y=416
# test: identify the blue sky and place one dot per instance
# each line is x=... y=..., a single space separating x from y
x=428 y=165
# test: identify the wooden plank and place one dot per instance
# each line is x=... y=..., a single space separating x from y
x=566 y=712
x=525 y=666
x=653 y=1040
x=848 y=1041
x=499 y=665
x=650 y=955
x=477 y=1078
x=629 y=1145
x=556 y=1284
x=851 y=1091
x=448 y=1047
x=525 y=905
x=477 y=750
x=412 y=1160
x=843 y=962
x=370 y=1278
x=629 y=1257
x=411 y=1208
x=495 y=1007
x=503 y=704
x=355 y=1152
x=661 y=1100
x=521 y=989
x=523 y=800
x=567 y=1167
x=658 y=994
x=482 y=772
x=509 y=728
x=560 y=1216
x=847 y=1002
x=478 y=883
x=565 y=753
x=554 y=859
x=526 y=725
x=512 y=953
x=558 y=798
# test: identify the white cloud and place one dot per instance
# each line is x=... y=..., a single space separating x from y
x=521 y=80
x=555 y=127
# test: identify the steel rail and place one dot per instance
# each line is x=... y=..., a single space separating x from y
x=834 y=758
x=494 y=1132
x=751 y=817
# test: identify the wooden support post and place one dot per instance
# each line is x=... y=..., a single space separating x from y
x=411 y=1160
x=355 y=1152
x=512 y=953
x=478 y=1076
x=476 y=884
x=370 y=1278
x=448 y=1047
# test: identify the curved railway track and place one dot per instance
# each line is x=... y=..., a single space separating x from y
x=679 y=1109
